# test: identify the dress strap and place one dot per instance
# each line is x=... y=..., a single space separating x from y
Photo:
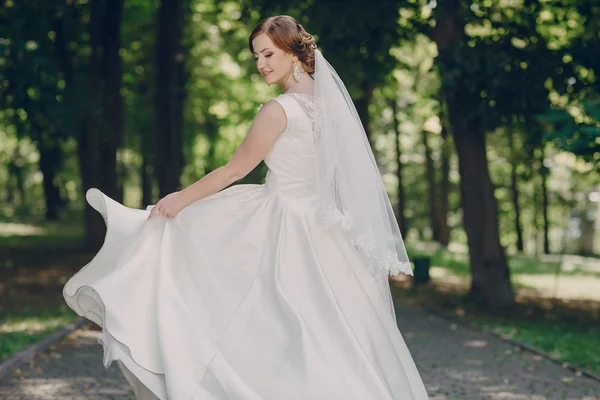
x=285 y=102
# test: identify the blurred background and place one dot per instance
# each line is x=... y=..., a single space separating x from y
x=483 y=115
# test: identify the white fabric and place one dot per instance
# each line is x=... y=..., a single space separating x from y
x=351 y=194
x=242 y=296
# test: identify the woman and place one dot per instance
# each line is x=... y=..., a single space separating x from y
x=261 y=292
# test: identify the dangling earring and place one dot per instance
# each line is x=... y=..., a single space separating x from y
x=296 y=72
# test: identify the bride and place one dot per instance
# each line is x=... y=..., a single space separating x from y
x=276 y=291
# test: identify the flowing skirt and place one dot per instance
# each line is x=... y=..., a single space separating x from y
x=240 y=296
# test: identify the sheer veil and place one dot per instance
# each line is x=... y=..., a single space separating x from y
x=351 y=194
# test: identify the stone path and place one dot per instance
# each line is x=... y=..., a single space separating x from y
x=455 y=363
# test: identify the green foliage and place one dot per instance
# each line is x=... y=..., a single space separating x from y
x=577 y=131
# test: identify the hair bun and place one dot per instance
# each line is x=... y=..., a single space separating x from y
x=309 y=40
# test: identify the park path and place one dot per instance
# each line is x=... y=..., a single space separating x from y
x=455 y=362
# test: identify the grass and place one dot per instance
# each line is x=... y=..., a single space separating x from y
x=565 y=265
x=550 y=276
x=25 y=244
x=35 y=260
x=577 y=345
x=19 y=329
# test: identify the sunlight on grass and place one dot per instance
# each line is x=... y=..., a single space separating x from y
x=23 y=328
x=23 y=244
x=564 y=287
x=16 y=229
x=33 y=325
x=561 y=276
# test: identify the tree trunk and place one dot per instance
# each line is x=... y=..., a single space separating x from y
x=170 y=93
x=212 y=134
x=362 y=108
x=514 y=186
x=112 y=101
x=87 y=138
x=544 y=176
x=147 y=149
x=400 y=214
x=490 y=276
x=15 y=168
x=97 y=152
x=146 y=175
x=49 y=162
x=430 y=174
x=444 y=197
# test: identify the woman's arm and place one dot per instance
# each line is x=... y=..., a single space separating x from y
x=269 y=123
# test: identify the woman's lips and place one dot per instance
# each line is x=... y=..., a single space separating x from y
x=265 y=75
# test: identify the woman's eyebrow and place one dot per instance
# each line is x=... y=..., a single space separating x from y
x=266 y=48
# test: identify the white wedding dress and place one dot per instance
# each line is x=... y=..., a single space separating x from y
x=242 y=296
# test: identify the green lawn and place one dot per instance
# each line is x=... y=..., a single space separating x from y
x=23 y=245
x=19 y=329
x=577 y=345
x=548 y=276
x=458 y=263
x=33 y=260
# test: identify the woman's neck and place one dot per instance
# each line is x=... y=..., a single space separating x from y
x=305 y=85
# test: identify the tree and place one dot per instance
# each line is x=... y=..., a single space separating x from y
x=490 y=277
x=170 y=94
x=30 y=91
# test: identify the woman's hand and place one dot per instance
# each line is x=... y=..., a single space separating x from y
x=169 y=206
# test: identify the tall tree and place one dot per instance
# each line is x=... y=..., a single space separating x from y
x=30 y=74
x=102 y=131
x=170 y=94
x=112 y=99
x=514 y=184
x=490 y=277
x=432 y=187
x=444 y=196
x=400 y=210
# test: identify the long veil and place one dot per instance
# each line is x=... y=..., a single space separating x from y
x=351 y=191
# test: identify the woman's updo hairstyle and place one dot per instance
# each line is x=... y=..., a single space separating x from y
x=288 y=35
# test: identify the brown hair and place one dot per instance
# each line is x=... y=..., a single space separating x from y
x=288 y=35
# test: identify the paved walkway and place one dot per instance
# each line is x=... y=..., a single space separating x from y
x=455 y=363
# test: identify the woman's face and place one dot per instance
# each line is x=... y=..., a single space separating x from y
x=274 y=64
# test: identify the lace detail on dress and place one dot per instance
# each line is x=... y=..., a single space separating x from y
x=310 y=106
x=332 y=216
x=380 y=263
